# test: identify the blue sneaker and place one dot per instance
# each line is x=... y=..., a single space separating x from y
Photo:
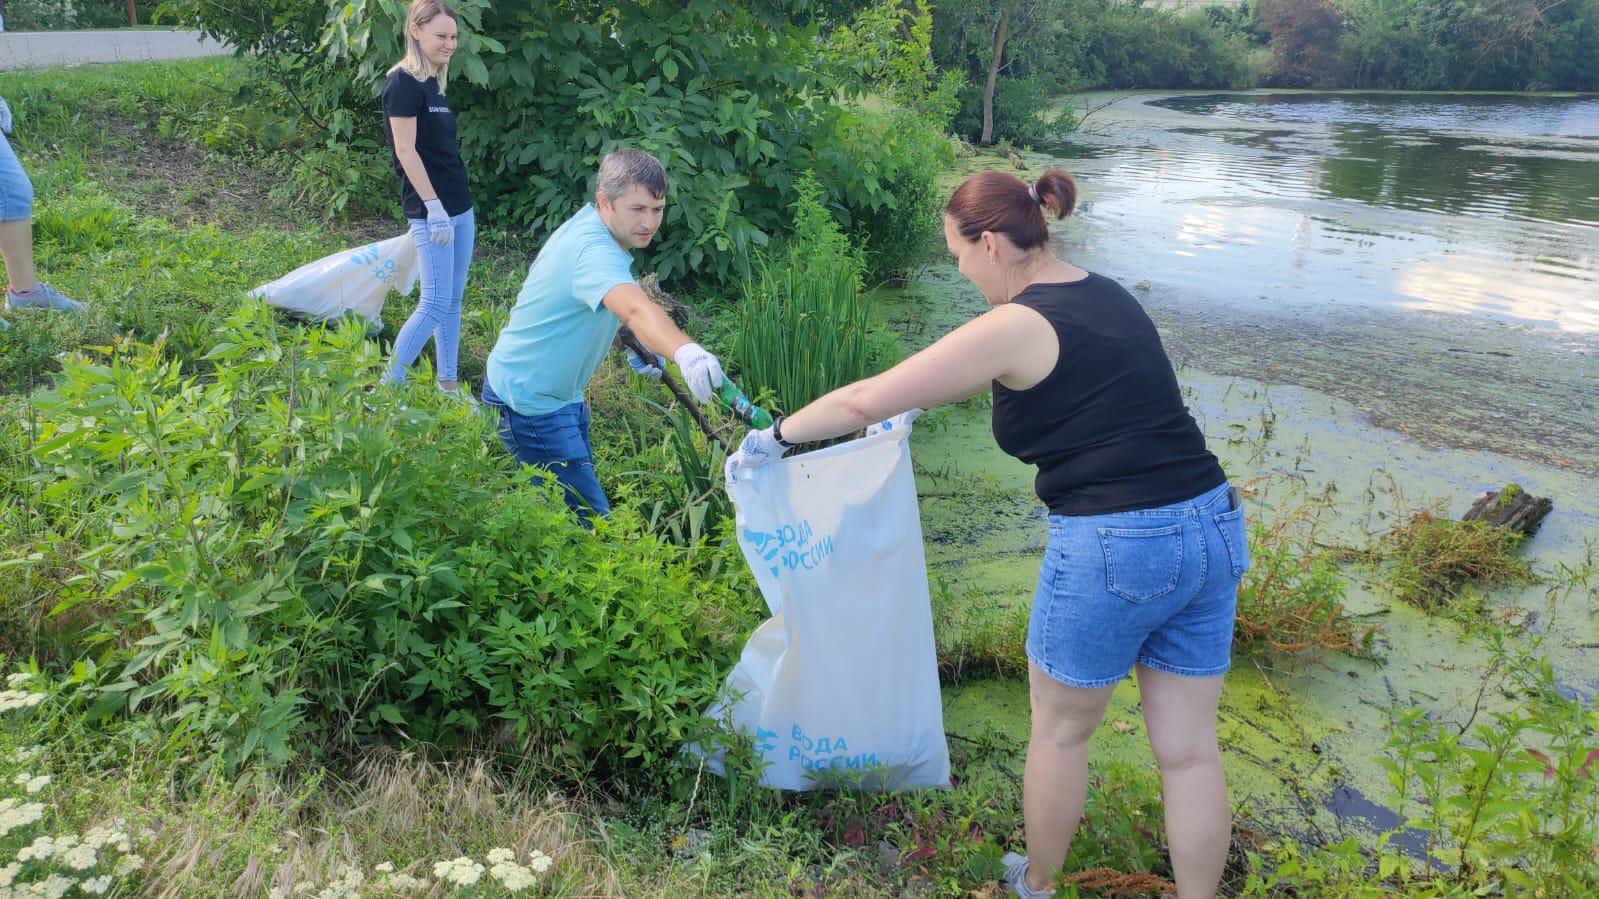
x=41 y=297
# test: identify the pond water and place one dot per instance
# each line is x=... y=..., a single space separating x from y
x=1476 y=205
x=1439 y=251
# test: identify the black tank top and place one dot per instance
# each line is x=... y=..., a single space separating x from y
x=1107 y=427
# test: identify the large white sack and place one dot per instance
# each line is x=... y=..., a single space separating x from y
x=840 y=686
x=357 y=280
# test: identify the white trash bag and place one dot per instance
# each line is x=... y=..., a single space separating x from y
x=357 y=280
x=840 y=686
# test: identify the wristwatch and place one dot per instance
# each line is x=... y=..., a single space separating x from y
x=777 y=433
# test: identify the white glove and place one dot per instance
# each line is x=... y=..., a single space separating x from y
x=647 y=369
x=439 y=227
x=759 y=448
x=701 y=371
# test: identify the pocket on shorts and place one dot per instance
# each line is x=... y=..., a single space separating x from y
x=1142 y=564
x=1236 y=537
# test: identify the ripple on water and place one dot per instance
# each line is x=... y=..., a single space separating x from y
x=1481 y=206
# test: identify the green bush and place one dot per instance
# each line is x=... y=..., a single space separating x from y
x=881 y=170
x=1135 y=46
x=1018 y=103
x=269 y=560
x=57 y=15
x=734 y=98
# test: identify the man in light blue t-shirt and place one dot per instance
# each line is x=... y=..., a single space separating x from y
x=578 y=292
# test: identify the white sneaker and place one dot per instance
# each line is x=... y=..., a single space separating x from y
x=1016 y=877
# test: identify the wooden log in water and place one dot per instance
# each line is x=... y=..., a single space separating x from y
x=1512 y=508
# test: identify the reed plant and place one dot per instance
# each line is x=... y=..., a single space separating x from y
x=804 y=325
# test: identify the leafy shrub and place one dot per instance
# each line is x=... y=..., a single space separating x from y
x=734 y=98
x=1513 y=800
x=1137 y=46
x=881 y=171
x=271 y=562
x=1304 y=41
x=1018 y=103
x=55 y=15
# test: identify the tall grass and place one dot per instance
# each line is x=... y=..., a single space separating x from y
x=803 y=325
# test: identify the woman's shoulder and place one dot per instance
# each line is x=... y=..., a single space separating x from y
x=401 y=80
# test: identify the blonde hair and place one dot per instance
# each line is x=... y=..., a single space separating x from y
x=413 y=62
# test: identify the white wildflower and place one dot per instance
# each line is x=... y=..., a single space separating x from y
x=384 y=867
x=513 y=876
x=42 y=848
x=54 y=887
x=79 y=858
x=540 y=862
x=405 y=882
x=501 y=855
x=14 y=814
x=26 y=754
x=35 y=784
x=18 y=699
x=18 y=679
x=128 y=864
x=461 y=871
x=96 y=886
x=104 y=835
x=9 y=873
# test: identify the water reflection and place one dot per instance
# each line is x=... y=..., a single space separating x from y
x=1480 y=205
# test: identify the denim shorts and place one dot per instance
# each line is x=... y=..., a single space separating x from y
x=16 y=191
x=1153 y=587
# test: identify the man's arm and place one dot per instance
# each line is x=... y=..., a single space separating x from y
x=702 y=372
x=648 y=322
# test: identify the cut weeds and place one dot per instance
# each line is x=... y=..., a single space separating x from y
x=1434 y=559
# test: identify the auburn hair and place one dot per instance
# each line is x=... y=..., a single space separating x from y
x=1005 y=204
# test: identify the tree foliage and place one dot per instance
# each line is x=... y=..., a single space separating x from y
x=735 y=98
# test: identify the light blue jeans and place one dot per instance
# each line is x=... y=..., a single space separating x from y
x=16 y=191
x=438 y=313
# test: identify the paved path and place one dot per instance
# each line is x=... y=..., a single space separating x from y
x=42 y=49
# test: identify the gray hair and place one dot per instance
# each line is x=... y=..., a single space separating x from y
x=624 y=168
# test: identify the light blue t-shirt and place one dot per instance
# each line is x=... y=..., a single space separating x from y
x=559 y=331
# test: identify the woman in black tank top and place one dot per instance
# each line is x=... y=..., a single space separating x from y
x=1146 y=539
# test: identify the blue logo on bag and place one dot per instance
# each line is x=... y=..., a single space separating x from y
x=790 y=546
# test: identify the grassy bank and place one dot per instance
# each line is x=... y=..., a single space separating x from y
x=161 y=203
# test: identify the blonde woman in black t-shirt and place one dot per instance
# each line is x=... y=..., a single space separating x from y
x=1146 y=538
x=421 y=132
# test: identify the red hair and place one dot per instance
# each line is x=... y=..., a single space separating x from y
x=1005 y=204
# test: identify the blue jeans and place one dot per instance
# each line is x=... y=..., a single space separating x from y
x=438 y=312
x=559 y=442
x=16 y=191
x=1152 y=587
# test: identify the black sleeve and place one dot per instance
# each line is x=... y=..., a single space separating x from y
x=403 y=97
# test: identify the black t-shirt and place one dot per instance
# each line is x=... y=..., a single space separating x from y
x=436 y=142
x=1107 y=428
